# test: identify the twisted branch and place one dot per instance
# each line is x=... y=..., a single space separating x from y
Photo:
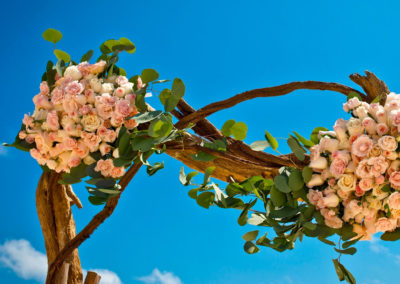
x=261 y=93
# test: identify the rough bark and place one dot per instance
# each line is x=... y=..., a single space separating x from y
x=58 y=226
x=92 y=278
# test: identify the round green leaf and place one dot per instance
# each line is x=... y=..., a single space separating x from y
x=62 y=55
x=296 y=181
x=52 y=35
x=281 y=183
x=239 y=130
x=149 y=75
x=129 y=46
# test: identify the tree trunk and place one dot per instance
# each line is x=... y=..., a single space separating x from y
x=54 y=210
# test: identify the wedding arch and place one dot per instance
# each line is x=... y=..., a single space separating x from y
x=91 y=123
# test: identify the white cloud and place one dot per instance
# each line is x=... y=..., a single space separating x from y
x=3 y=151
x=377 y=247
x=24 y=260
x=28 y=263
x=158 y=277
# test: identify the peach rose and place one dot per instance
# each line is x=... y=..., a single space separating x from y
x=105 y=167
x=394 y=201
x=117 y=172
x=388 y=143
x=394 y=180
x=384 y=224
x=361 y=146
x=91 y=140
x=352 y=209
x=366 y=184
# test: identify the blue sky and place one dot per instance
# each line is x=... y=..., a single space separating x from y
x=219 y=49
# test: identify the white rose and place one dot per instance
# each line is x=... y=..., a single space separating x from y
x=315 y=181
x=320 y=163
x=355 y=126
x=361 y=112
x=90 y=122
x=340 y=129
x=95 y=84
x=328 y=144
x=128 y=88
x=387 y=143
x=331 y=200
x=73 y=72
x=107 y=88
x=116 y=153
x=347 y=182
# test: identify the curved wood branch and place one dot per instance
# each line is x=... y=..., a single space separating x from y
x=259 y=93
x=372 y=86
x=85 y=233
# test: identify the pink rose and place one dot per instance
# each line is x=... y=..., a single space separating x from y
x=104 y=148
x=379 y=165
x=42 y=101
x=69 y=143
x=381 y=116
x=366 y=184
x=98 y=67
x=337 y=167
x=117 y=172
x=394 y=201
x=74 y=88
x=52 y=120
x=44 y=88
x=369 y=125
x=74 y=160
x=382 y=129
x=315 y=198
x=139 y=83
x=28 y=121
x=121 y=80
x=110 y=136
x=117 y=120
x=81 y=149
x=388 y=143
x=331 y=220
x=123 y=108
x=70 y=106
x=130 y=124
x=85 y=109
x=380 y=180
x=90 y=96
x=361 y=146
x=57 y=96
x=384 y=224
x=105 y=111
x=91 y=140
x=119 y=92
x=351 y=209
x=394 y=180
x=351 y=104
x=105 y=167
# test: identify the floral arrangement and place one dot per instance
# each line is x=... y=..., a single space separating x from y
x=356 y=167
x=82 y=114
x=86 y=118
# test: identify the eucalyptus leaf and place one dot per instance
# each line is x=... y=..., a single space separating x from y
x=52 y=35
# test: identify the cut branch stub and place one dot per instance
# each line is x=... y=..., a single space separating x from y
x=372 y=86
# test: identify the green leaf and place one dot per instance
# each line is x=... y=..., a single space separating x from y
x=164 y=96
x=146 y=117
x=250 y=248
x=386 y=188
x=271 y=140
x=350 y=251
x=128 y=45
x=353 y=94
x=283 y=212
x=203 y=157
x=161 y=127
x=52 y=35
x=277 y=197
x=281 y=183
x=250 y=236
x=124 y=142
x=310 y=226
x=296 y=148
x=307 y=174
x=239 y=130
x=205 y=199
x=87 y=56
x=303 y=140
x=186 y=179
x=151 y=170
x=142 y=143
x=106 y=183
x=120 y=162
x=178 y=88
x=376 y=100
x=226 y=128
x=314 y=134
x=296 y=181
x=350 y=243
x=326 y=241
x=207 y=175
x=95 y=200
x=259 y=145
x=391 y=236
x=109 y=191
x=339 y=270
x=149 y=75
x=62 y=55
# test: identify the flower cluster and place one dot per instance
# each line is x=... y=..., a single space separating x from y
x=356 y=169
x=80 y=115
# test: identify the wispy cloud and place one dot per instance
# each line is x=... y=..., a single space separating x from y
x=158 y=277
x=3 y=150
x=30 y=264
x=24 y=260
x=377 y=247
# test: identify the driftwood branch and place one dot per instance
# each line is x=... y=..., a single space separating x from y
x=261 y=93
x=97 y=220
x=92 y=278
x=372 y=86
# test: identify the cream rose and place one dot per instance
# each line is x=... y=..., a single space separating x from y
x=355 y=127
x=347 y=182
x=388 y=143
x=90 y=122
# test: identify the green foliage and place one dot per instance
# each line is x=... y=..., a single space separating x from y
x=237 y=129
x=391 y=236
x=52 y=35
x=170 y=98
x=87 y=56
x=62 y=55
x=314 y=135
x=203 y=157
x=149 y=75
x=343 y=273
x=353 y=94
x=271 y=140
x=112 y=45
x=296 y=148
